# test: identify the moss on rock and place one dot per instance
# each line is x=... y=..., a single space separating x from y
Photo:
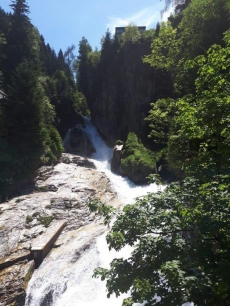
x=137 y=162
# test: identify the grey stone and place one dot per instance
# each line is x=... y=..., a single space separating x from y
x=116 y=159
x=78 y=142
x=76 y=186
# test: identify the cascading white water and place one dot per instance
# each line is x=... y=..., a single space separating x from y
x=62 y=280
x=127 y=190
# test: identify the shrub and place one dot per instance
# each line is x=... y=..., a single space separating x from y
x=46 y=220
x=137 y=162
x=29 y=219
x=119 y=142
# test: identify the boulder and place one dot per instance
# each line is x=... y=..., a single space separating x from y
x=78 y=160
x=77 y=142
x=84 y=162
x=116 y=160
x=45 y=188
x=44 y=172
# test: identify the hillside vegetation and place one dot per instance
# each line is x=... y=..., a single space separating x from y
x=165 y=94
x=40 y=103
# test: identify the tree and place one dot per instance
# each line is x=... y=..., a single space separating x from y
x=4 y=25
x=194 y=127
x=181 y=236
x=22 y=39
x=165 y=48
x=180 y=41
x=48 y=58
x=181 y=242
x=25 y=112
x=201 y=123
x=131 y=34
x=194 y=27
x=20 y=8
x=23 y=142
x=82 y=59
x=2 y=56
x=70 y=57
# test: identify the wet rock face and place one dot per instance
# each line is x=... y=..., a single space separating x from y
x=13 y=283
x=78 y=160
x=116 y=160
x=78 y=142
x=47 y=299
x=61 y=193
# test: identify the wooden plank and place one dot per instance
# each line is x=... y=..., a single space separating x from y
x=44 y=243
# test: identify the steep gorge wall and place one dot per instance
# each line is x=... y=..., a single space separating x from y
x=121 y=90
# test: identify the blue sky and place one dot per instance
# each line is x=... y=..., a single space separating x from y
x=65 y=22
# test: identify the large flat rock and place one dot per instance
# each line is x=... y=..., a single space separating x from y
x=66 y=189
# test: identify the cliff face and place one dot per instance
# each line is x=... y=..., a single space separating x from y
x=124 y=100
x=121 y=88
x=77 y=142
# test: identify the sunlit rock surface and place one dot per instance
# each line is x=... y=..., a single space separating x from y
x=61 y=193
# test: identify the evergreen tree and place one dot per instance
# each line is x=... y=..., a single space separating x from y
x=70 y=58
x=131 y=35
x=61 y=65
x=26 y=129
x=28 y=138
x=82 y=59
x=21 y=43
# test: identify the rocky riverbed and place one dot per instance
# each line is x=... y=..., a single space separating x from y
x=61 y=193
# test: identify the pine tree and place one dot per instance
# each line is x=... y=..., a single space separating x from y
x=84 y=49
x=22 y=38
x=25 y=117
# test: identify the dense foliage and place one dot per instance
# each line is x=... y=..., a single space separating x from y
x=181 y=245
x=41 y=99
x=137 y=162
x=171 y=83
x=180 y=237
x=118 y=86
x=194 y=122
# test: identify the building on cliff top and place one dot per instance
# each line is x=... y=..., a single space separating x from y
x=120 y=30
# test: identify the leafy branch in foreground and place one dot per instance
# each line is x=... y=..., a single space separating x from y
x=195 y=128
x=181 y=241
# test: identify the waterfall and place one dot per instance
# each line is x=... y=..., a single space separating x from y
x=65 y=279
x=66 y=139
x=127 y=190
